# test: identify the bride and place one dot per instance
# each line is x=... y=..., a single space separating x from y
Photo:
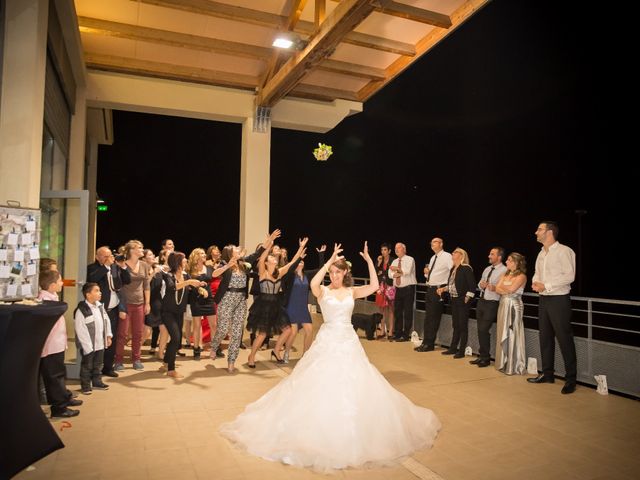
x=326 y=414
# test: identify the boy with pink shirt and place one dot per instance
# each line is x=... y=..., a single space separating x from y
x=52 y=366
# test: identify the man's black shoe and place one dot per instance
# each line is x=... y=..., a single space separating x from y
x=448 y=352
x=476 y=361
x=74 y=403
x=569 y=387
x=424 y=348
x=402 y=339
x=100 y=386
x=111 y=373
x=483 y=363
x=459 y=355
x=66 y=413
x=541 y=379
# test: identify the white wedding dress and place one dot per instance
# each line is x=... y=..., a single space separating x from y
x=335 y=410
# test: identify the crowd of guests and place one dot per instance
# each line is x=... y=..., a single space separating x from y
x=134 y=295
x=497 y=295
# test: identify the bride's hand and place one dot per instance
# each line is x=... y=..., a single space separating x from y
x=337 y=249
x=365 y=253
x=303 y=242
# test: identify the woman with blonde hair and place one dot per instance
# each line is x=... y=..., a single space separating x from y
x=510 y=346
x=200 y=306
x=461 y=287
x=137 y=302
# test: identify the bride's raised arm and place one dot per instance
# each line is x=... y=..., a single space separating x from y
x=366 y=290
x=316 y=281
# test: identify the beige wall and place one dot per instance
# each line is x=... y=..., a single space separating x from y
x=22 y=107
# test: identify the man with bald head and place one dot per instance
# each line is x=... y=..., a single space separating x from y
x=437 y=275
x=403 y=272
x=110 y=277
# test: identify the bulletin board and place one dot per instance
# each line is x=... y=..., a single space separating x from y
x=19 y=252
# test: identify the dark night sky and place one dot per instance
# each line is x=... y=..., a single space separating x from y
x=496 y=129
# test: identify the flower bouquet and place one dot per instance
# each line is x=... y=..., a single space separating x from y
x=323 y=152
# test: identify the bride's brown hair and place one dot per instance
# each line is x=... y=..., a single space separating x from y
x=347 y=280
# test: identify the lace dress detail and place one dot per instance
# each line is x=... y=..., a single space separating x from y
x=267 y=314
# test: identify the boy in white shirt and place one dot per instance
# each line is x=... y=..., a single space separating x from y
x=93 y=336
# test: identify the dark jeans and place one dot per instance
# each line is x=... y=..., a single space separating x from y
x=403 y=311
x=110 y=353
x=91 y=368
x=486 y=315
x=433 y=308
x=173 y=321
x=554 y=321
x=460 y=322
x=155 y=334
x=53 y=373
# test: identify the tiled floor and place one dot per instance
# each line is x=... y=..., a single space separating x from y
x=148 y=426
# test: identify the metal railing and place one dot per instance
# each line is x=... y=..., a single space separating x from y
x=607 y=336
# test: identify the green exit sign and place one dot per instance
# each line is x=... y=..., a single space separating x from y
x=103 y=208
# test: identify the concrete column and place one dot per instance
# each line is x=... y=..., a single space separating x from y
x=77 y=142
x=254 y=185
x=91 y=181
x=22 y=103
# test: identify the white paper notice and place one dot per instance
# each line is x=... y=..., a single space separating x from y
x=26 y=239
x=18 y=256
x=31 y=270
x=30 y=225
x=4 y=271
x=26 y=290
x=34 y=253
x=12 y=290
x=3 y=254
x=12 y=239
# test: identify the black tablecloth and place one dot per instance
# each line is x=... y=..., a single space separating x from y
x=26 y=435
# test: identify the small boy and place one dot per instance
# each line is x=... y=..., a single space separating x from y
x=52 y=367
x=93 y=335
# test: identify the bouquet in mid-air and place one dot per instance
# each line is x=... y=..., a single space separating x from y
x=323 y=152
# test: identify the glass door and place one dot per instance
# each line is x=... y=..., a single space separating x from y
x=65 y=233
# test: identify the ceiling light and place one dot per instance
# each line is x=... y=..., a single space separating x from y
x=283 y=41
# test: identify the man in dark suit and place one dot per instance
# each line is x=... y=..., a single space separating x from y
x=110 y=276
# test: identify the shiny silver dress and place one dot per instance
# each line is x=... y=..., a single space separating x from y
x=510 y=346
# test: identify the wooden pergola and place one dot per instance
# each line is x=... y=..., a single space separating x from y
x=348 y=49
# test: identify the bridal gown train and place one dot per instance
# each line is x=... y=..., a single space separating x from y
x=335 y=410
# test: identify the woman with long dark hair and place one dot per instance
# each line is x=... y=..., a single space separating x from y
x=174 y=303
x=231 y=296
x=267 y=316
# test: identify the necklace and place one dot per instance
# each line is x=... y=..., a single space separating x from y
x=178 y=302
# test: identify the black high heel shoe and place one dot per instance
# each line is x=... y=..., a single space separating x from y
x=278 y=360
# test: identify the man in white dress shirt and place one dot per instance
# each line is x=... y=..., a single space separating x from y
x=437 y=274
x=487 y=307
x=403 y=272
x=555 y=272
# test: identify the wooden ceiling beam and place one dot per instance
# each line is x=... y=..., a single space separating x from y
x=272 y=20
x=322 y=93
x=171 y=71
x=346 y=16
x=319 y=13
x=352 y=69
x=174 y=39
x=408 y=12
x=465 y=11
x=207 y=44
